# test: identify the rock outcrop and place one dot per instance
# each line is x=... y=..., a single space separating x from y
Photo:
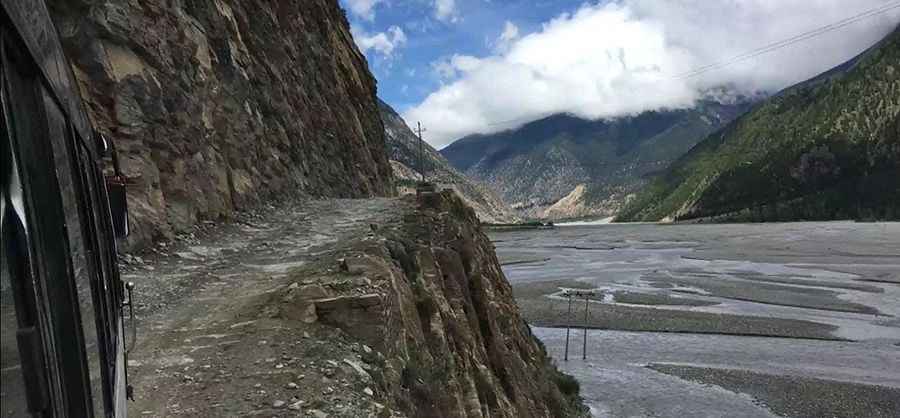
x=431 y=299
x=217 y=105
x=571 y=206
x=341 y=307
x=403 y=149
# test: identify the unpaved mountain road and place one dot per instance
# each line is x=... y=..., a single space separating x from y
x=209 y=342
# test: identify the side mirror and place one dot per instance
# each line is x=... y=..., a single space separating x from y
x=115 y=188
x=118 y=205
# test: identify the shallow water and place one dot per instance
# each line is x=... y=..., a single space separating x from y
x=803 y=264
x=616 y=383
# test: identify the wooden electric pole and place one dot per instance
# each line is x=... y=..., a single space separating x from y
x=419 y=131
x=568 y=322
x=586 y=307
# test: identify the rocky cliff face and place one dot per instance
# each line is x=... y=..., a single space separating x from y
x=344 y=307
x=403 y=150
x=217 y=105
x=442 y=314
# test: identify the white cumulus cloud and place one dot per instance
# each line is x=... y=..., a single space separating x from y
x=445 y=10
x=510 y=32
x=452 y=67
x=624 y=57
x=363 y=8
x=383 y=43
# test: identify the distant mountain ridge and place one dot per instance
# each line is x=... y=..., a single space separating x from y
x=593 y=164
x=403 y=151
x=827 y=148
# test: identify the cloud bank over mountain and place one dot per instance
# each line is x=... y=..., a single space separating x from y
x=624 y=57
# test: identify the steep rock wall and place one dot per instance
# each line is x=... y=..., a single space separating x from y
x=217 y=105
x=432 y=300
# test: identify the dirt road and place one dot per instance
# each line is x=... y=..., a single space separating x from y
x=208 y=342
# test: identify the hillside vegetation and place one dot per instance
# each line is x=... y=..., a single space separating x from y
x=595 y=163
x=825 y=149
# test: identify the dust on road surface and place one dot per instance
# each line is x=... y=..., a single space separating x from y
x=209 y=346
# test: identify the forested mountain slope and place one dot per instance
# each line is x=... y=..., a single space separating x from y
x=597 y=163
x=828 y=148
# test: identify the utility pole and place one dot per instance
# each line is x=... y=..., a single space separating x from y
x=419 y=131
x=568 y=322
x=587 y=297
x=584 y=348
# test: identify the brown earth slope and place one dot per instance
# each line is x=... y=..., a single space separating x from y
x=218 y=105
x=350 y=308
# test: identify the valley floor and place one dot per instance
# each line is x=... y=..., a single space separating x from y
x=761 y=320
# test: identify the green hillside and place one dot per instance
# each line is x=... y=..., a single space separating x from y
x=824 y=149
x=535 y=165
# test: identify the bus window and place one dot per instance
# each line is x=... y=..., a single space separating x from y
x=106 y=300
x=79 y=246
x=14 y=275
x=12 y=386
x=23 y=380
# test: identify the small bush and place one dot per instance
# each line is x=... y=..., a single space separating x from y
x=567 y=384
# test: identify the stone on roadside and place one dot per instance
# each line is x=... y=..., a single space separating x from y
x=188 y=255
x=278 y=404
x=296 y=292
x=359 y=369
x=355 y=265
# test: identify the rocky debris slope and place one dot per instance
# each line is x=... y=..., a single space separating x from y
x=348 y=308
x=403 y=149
x=828 y=148
x=533 y=166
x=573 y=205
x=218 y=105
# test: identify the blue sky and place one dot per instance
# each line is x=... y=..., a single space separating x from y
x=407 y=75
x=481 y=66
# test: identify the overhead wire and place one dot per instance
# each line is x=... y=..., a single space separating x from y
x=758 y=51
x=792 y=40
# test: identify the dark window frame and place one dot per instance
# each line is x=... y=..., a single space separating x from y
x=59 y=320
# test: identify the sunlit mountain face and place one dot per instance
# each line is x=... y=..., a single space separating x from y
x=594 y=164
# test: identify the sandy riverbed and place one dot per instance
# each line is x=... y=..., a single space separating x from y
x=816 y=304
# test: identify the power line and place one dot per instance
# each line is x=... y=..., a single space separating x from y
x=792 y=40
